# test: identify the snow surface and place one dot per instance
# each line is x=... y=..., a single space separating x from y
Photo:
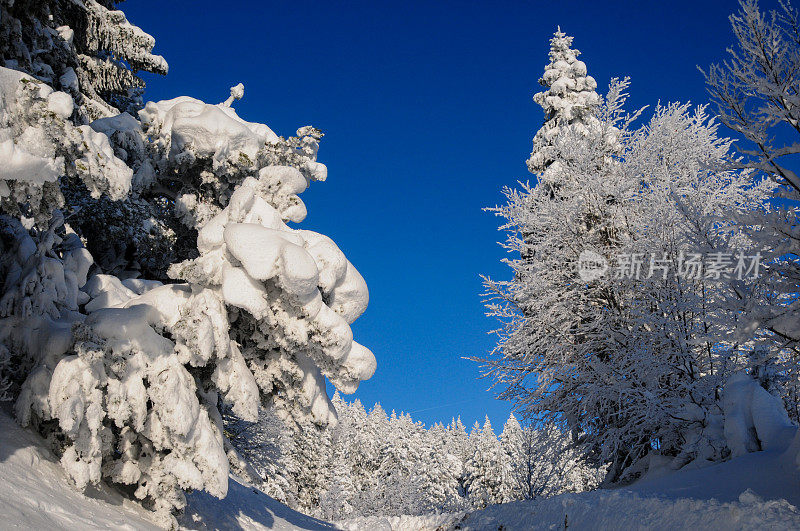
x=245 y=507
x=35 y=494
x=760 y=490
x=628 y=510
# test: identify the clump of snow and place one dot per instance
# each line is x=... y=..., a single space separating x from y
x=25 y=155
x=188 y=128
x=237 y=93
x=754 y=419
x=34 y=134
x=299 y=290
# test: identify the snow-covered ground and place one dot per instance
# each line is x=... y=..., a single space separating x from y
x=756 y=491
x=760 y=490
x=621 y=509
x=244 y=508
x=35 y=494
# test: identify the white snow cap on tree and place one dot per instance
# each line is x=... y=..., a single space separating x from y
x=569 y=100
x=300 y=294
x=35 y=133
x=183 y=124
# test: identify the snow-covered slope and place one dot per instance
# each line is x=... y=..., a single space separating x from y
x=35 y=494
x=244 y=508
x=620 y=509
x=760 y=490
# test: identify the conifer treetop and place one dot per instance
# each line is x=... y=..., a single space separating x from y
x=569 y=99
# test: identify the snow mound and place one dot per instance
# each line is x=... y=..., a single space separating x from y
x=754 y=419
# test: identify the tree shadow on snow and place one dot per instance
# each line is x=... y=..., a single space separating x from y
x=25 y=449
x=9 y=443
x=242 y=506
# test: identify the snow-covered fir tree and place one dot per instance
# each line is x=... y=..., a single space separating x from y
x=123 y=366
x=488 y=471
x=568 y=101
x=440 y=481
x=512 y=443
x=309 y=458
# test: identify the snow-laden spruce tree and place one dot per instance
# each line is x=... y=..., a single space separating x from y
x=126 y=375
x=568 y=101
x=85 y=48
x=488 y=470
x=757 y=94
x=440 y=485
x=633 y=355
x=512 y=443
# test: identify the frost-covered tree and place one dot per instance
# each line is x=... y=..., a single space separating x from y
x=629 y=355
x=337 y=501
x=552 y=463
x=512 y=443
x=440 y=485
x=756 y=93
x=309 y=460
x=459 y=444
x=488 y=470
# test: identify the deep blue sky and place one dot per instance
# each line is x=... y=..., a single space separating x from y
x=428 y=114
